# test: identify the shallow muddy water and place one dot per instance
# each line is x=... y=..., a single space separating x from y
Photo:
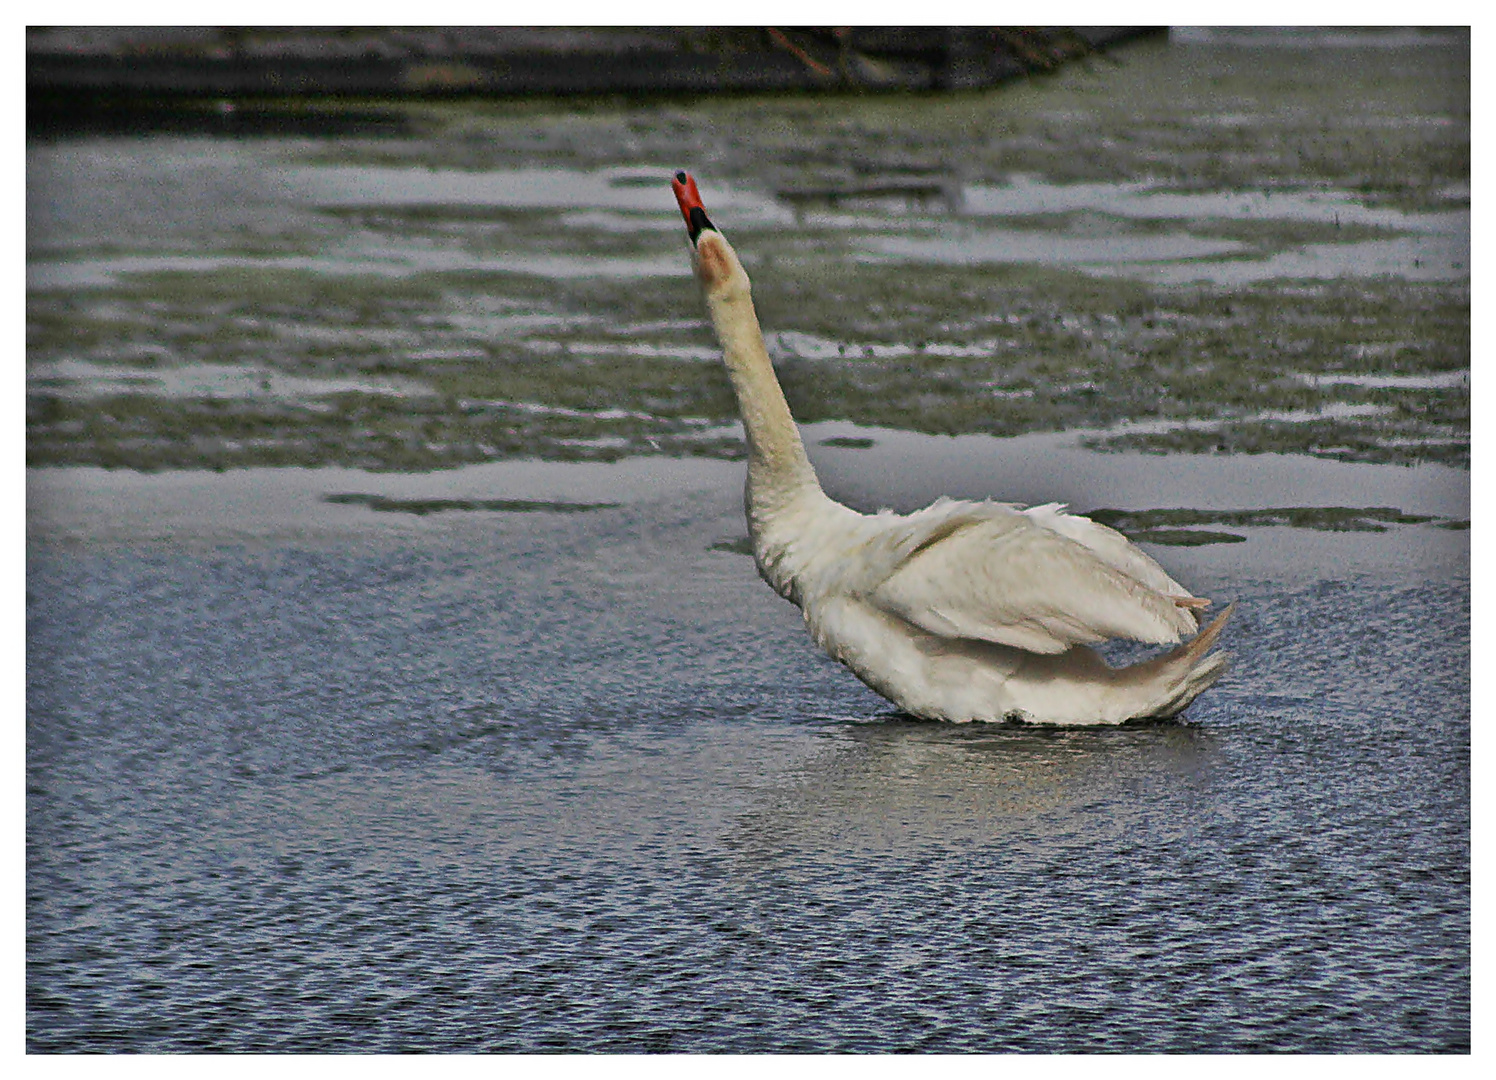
x=1186 y=233
x=395 y=680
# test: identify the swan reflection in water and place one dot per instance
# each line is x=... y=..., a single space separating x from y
x=897 y=785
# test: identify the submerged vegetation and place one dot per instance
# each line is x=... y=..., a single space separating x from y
x=393 y=318
x=1178 y=527
x=422 y=507
x=1174 y=526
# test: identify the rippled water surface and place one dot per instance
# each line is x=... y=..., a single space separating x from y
x=395 y=682
x=533 y=780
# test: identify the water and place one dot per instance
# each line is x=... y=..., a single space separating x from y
x=308 y=770
x=535 y=781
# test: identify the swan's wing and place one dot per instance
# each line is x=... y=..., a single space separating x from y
x=996 y=574
x=1108 y=545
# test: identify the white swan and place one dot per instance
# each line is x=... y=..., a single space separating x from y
x=961 y=611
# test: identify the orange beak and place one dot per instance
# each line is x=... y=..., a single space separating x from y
x=684 y=186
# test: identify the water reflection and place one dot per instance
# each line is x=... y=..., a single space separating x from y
x=899 y=784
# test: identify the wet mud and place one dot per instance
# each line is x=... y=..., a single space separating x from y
x=1209 y=246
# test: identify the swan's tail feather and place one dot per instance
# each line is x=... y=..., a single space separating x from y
x=1191 y=669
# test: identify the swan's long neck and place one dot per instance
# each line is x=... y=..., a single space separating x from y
x=778 y=469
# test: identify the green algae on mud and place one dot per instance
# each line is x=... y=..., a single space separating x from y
x=422 y=507
x=1002 y=351
x=538 y=328
x=1172 y=526
x=1185 y=537
x=366 y=431
x=737 y=546
x=1178 y=527
x=1336 y=441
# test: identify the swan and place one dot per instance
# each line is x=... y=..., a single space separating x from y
x=962 y=611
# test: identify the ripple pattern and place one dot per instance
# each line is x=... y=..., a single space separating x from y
x=527 y=789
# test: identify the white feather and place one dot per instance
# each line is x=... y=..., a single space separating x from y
x=963 y=610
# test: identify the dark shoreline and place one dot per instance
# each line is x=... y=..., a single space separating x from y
x=254 y=80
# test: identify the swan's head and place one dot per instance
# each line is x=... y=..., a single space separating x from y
x=715 y=262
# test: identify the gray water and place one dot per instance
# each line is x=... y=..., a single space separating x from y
x=531 y=781
x=563 y=774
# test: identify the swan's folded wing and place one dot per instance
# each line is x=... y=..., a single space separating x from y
x=1108 y=545
x=1006 y=578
